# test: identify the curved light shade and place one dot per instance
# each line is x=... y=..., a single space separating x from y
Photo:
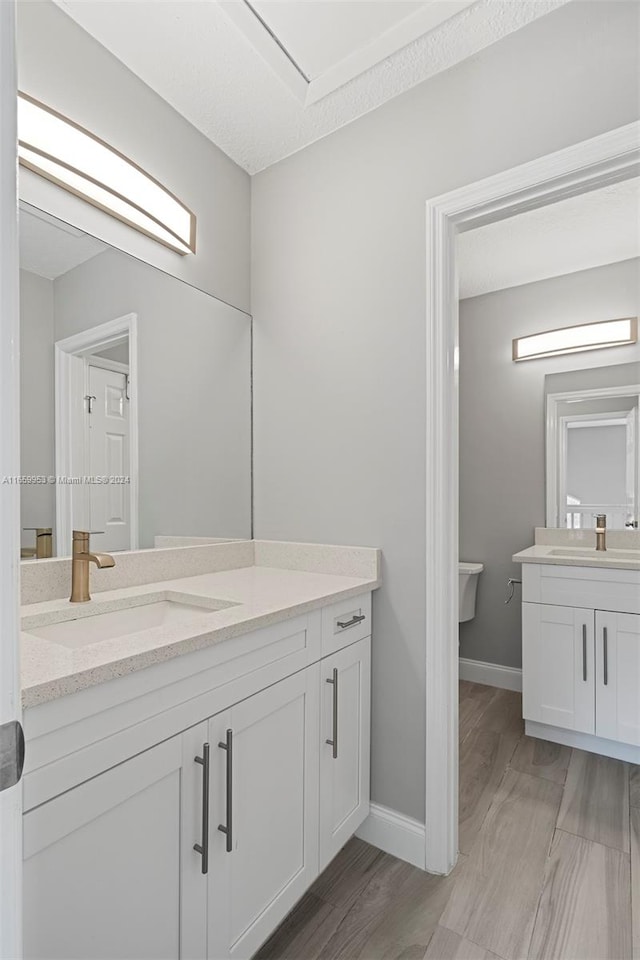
x=586 y=336
x=75 y=159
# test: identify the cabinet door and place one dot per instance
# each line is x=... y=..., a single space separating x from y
x=345 y=682
x=265 y=791
x=618 y=677
x=558 y=683
x=103 y=862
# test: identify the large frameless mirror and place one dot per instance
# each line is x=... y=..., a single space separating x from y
x=135 y=400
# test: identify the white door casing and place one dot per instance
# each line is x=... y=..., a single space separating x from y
x=609 y=158
x=10 y=709
x=72 y=459
x=107 y=415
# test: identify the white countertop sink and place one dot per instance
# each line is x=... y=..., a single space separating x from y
x=595 y=554
x=67 y=647
x=78 y=630
x=580 y=557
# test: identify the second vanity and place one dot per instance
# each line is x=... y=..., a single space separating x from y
x=581 y=644
x=197 y=748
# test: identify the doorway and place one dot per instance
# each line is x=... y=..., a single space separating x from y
x=587 y=166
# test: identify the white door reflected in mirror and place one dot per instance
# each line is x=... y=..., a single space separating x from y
x=109 y=502
x=593 y=452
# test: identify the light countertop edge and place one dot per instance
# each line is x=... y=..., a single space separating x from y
x=540 y=554
x=51 y=671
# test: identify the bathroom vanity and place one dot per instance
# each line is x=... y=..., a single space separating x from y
x=581 y=646
x=187 y=781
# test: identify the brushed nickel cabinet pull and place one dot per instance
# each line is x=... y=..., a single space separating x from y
x=227 y=828
x=584 y=652
x=605 y=651
x=356 y=618
x=334 y=742
x=203 y=848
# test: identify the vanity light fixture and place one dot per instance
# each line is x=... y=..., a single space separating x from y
x=76 y=160
x=586 y=336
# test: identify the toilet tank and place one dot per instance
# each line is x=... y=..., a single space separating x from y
x=468 y=574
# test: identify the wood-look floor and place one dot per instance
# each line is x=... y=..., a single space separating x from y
x=549 y=864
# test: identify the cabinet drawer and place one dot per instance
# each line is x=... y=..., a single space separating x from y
x=345 y=622
x=593 y=588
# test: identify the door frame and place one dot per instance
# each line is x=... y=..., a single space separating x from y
x=10 y=700
x=70 y=363
x=586 y=166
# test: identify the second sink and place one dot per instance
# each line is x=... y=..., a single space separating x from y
x=594 y=554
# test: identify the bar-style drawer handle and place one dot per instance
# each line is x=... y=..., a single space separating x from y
x=605 y=652
x=334 y=741
x=343 y=624
x=584 y=652
x=203 y=848
x=227 y=828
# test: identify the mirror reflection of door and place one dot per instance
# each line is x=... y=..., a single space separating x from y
x=600 y=475
x=96 y=436
x=593 y=457
x=108 y=453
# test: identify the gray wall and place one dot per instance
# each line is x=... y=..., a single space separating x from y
x=64 y=67
x=338 y=295
x=37 y=502
x=194 y=392
x=620 y=375
x=502 y=429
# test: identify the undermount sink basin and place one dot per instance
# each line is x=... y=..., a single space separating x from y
x=79 y=629
x=594 y=554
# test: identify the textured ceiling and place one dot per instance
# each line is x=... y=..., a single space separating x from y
x=576 y=234
x=197 y=59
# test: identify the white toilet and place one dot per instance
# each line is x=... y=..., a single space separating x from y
x=468 y=574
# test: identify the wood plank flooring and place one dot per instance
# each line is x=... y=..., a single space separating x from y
x=635 y=881
x=549 y=866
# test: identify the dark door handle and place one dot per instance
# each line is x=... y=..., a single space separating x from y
x=203 y=847
x=227 y=828
x=333 y=679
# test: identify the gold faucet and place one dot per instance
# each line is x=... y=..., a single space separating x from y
x=43 y=548
x=601 y=531
x=80 y=561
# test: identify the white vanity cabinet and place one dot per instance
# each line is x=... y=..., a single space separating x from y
x=265 y=795
x=581 y=657
x=199 y=845
x=344 y=746
x=104 y=862
x=617 y=657
x=558 y=655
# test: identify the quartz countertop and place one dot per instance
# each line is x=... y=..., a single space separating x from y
x=579 y=556
x=261 y=595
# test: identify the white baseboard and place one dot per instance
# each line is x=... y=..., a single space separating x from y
x=394 y=833
x=491 y=674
